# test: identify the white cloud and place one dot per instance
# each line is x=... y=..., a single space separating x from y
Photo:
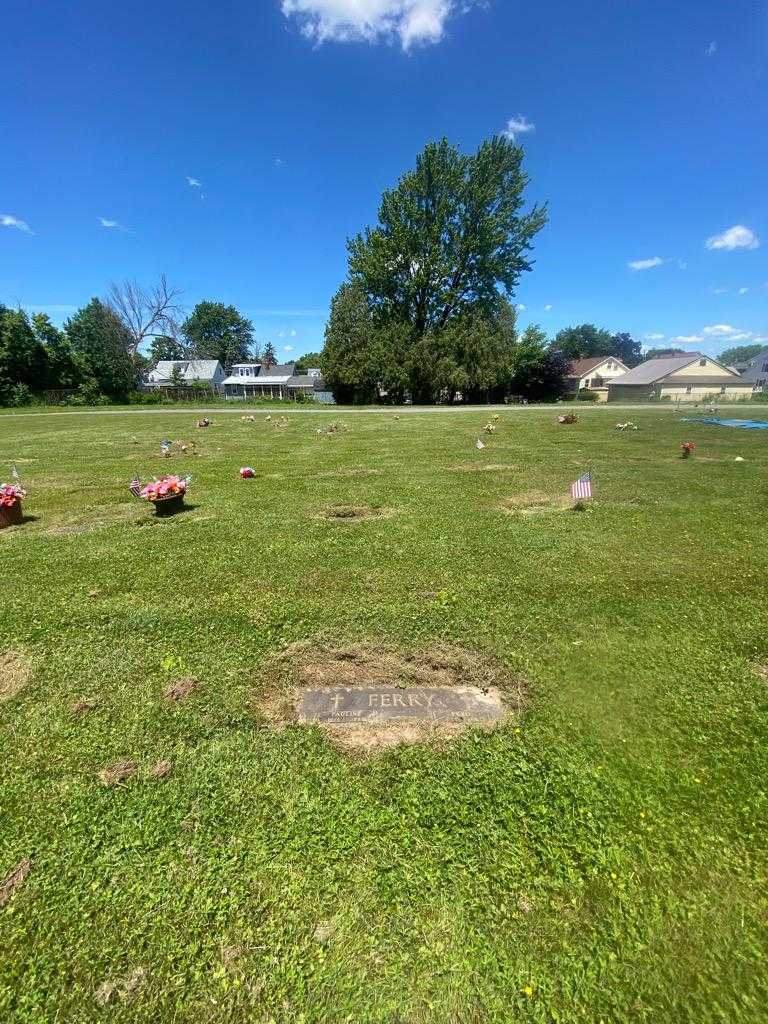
x=719 y=291
x=9 y=221
x=711 y=50
x=519 y=125
x=737 y=237
x=548 y=307
x=194 y=183
x=727 y=332
x=761 y=337
x=654 y=337
x=654 y=261
x=111 y=224
x=278 y=161
x=413 y=22
x=743 y=291
x=682 y=264
x=287 y=348
x=521 y=307
x=687 y=339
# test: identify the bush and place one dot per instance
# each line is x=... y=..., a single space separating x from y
x=585 y=395
x=88 y=394
x=20 y=395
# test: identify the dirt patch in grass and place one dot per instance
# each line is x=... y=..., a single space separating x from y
x=532 y=503
x=365 y=666
x=114 y=774
x=354 y=513
x=13 y=880
x=340 y=473
x=160 y=770
x=485 y=467
x=82 y=707
x=15 y=673
x=180 y=689
x=122 y=990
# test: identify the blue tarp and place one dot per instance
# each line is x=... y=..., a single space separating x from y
x=746 y=424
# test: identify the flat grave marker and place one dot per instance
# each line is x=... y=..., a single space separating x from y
x=377 y=704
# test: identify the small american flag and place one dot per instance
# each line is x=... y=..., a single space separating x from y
x=135 y=486
x=15 y=472
x=165 y=447
x=582 y=488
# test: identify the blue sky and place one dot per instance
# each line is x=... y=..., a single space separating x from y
x=645 y=127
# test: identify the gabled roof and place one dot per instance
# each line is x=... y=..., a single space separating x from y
x=191 y=369
x=578 y=367
x=654 y=370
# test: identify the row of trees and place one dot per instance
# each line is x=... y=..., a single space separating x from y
x=97 y=353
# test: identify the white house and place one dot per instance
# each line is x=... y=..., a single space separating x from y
x=193 y=371
x=251 y=380
x=595 y=374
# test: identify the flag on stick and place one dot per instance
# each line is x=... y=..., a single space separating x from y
x=582 y=488
x=135 y=486
x=14 y=472
x=165 y=447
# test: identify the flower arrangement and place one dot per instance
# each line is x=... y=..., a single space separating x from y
x=11 y=496
x=247 y=472
x=489 y=428
x=687 y=449
x=166 y=493
x=568 y=417
x=629 y=425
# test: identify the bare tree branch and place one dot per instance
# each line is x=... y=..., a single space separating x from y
x=146 y=312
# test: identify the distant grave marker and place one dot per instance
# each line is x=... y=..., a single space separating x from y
x=375 y=704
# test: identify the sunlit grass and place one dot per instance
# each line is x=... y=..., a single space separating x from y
x=606 y=861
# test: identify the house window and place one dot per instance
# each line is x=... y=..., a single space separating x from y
x=722 y=390
x=688 y=390
x=588 y=383
x=702 y=362
x=764 y=367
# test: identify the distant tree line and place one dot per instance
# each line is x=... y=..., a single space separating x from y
x=95 y=356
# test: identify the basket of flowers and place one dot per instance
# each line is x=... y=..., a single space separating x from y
x=166 y=494
x=11 y=496
x=687 y=449
x=568 y=417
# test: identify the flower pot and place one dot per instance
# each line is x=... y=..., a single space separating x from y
x=169 y=506
x=10 y=515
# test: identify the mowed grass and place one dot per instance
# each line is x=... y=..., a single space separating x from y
x=604 y=859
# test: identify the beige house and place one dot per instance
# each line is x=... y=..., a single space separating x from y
x=692 y=377
x=594 y=374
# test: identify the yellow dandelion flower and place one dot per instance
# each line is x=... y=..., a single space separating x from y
x=528 y=991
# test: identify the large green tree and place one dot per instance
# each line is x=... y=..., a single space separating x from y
x=308 y=361
x=23 y=359
x=269 y=356
x=104 y=347
x=451 y=236
x=216 y=331
x=64 y=369
x=165 y=347
x=583 y=341
x=350 y=362
x=741 y=353
x=539 y=369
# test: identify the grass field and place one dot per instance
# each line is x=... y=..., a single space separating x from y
x=603 y=859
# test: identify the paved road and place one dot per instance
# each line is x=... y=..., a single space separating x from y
x=240 y=410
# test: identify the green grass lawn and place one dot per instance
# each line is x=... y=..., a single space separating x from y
x=603 y=859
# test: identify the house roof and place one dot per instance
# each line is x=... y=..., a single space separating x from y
x=654 y=370
x=190 y=368
x=578 y=367
x=302 y=380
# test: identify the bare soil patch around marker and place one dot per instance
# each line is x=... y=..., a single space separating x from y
x=15 y=673
x=286 y=679
x=354 y=513
x=532 y=503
